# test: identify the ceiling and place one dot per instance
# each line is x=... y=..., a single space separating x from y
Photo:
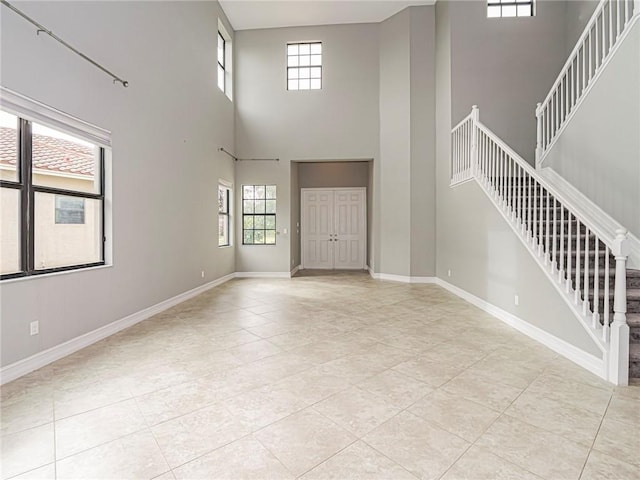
x=252 y=14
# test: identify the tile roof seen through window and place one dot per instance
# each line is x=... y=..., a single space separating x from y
x=50 y=154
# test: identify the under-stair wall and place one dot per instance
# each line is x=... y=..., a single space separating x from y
x=598 y=151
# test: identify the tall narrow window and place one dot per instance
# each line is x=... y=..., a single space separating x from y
x=224 y=216
x=510 y=8
x=304 y=66
x=259 y=214
x=224 y=60
x=52 y=186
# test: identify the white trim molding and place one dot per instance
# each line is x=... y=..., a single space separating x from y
x=293 y=271
x=41 y=359
x=595 y=365
x=390 y=277
x=262 y=274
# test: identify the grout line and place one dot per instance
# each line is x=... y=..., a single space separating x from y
x=596 y=436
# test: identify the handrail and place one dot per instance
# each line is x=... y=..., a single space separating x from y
x=608 y=25
x=578 y=256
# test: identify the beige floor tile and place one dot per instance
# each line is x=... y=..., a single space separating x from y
x=250 y=352
x=90 y=429
x=396 y=388
x=482 y=390
x=601 y=466
x=558 y=417
x=132 y=457
x=313 y=385
x=357 y=411
x=172 y=402
x=537 y=451
x=624 y=409
x=48 y=472
x=68 y=402
x=479 y=464
x=631 y=391
x=304 y=440
x=430 y=372
x=166 y=476
x=620 y=440
x=25 y=411
x=422 y=448
x=354 y=368
x=358 y=462
x=26 y=450
x=242 y=459
x=265 y=405
x=455 y=414
x=190 y=436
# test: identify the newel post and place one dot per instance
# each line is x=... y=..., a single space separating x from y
x=475 y=116
x=619 y=350
x=539 y=133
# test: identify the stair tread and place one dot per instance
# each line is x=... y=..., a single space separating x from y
x=634 y=352
x=633 y=319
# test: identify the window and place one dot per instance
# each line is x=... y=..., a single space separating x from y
x=52 y=198
x=259 y=214
x=224 y=224
x=510 y=8
x=224 y=60
x=304 y=66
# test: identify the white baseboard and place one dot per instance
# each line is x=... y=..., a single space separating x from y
x=590 y=362
x=295 y=270
x=263 y=275
x=41 y=359
x=390 y=277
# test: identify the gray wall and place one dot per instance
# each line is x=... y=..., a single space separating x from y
x=474 y=242
x=505 y=66
x=599 y=150
x=578 y=13
x=336 y=123
x=295 y=215
x=333 y=174
x=166 y=129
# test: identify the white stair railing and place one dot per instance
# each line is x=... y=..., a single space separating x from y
x=575 y=254
x=606 y=29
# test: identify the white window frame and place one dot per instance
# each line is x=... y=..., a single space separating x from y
x=500 y=4
x=228 y=60
x=228 y=186
x=295 y=67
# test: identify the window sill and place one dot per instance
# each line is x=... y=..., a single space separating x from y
x=52 y=274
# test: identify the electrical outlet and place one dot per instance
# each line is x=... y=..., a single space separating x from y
x=516 y=300
x=202 y=274
x=448 y=273
x=34 y=328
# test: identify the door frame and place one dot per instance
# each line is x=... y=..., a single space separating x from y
x=363 y=221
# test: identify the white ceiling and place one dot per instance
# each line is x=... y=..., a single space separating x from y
x=252 y=14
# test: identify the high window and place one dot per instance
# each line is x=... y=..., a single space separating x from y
x=510 y=8
x=304 y=66
x=224 y=215
x=224 y=60
x=259 y=214
x=52 y=198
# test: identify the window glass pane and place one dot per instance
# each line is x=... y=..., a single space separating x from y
x=316 y=59
x=270 y=191
x=220 y=50
x=70 y=242
x=63 y=161
x=292 y=49
x=305 y=49
x=259 y=191
x=316 y=84
x=493 y=11
x=292 y=61
x=247 y=191
x=248 y=237
x=259 y=206
x=223 y=230
x=223 y=196
x=258 y=236
x=247 y=206
x=509 y=11
x=10 y=231
x=524 y=10
x=270 y=222
x=316 y=72
x=304 y=84
x=292 y=85
x=316 y=48
x=270 y=206
x=305 y=60
x=69 y=210
x=248 y=222
x=270 y=237
x=221 y=78
x=292 y=73
x=258 y=221
x=8 y=147
x=304 y=73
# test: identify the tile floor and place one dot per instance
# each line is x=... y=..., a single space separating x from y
x=319 y=377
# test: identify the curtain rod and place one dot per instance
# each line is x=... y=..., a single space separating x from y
x=42 y=29
x=221 y=149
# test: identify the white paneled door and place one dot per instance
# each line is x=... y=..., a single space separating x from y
x=334 y=233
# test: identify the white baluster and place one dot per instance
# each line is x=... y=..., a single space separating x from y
x=568 y=282
x=607 y=292
x=554 y=240
x=547 y=256
x=619 y=353
x=576 y=298
x=590 y=55
x=585 y=285
x=539 y=149
x=596 y=288
x=561 y=265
